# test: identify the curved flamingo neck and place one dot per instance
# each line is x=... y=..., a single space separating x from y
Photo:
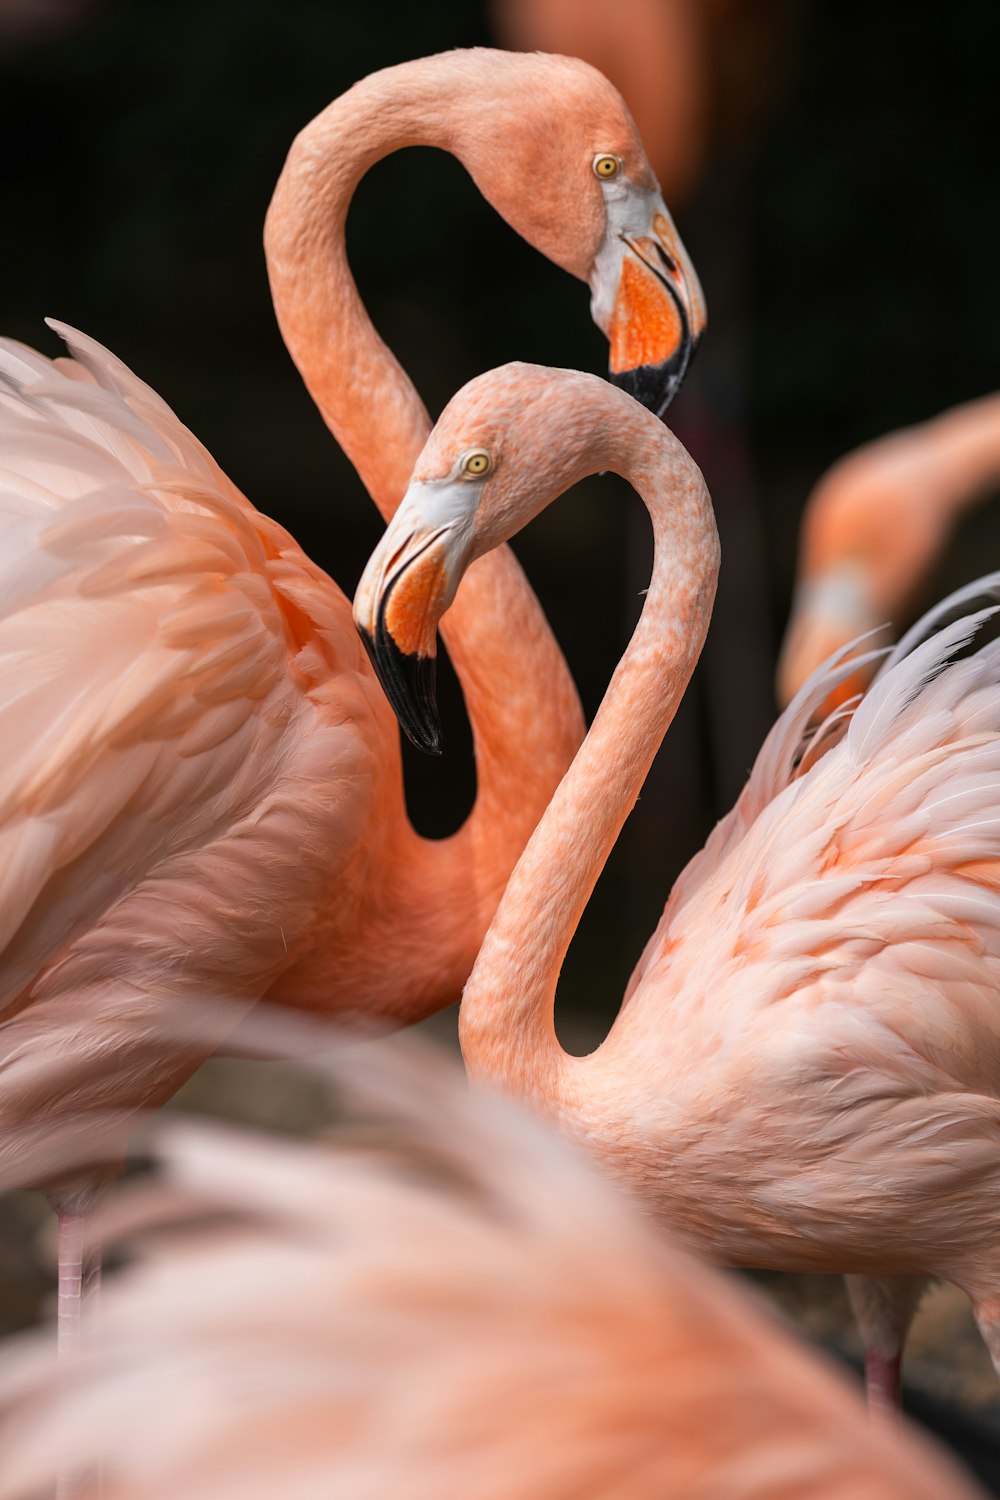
x=964 y=446
x=522 y=704
x=506 y=1020
x=363 y=394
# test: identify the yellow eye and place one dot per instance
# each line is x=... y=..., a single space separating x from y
x=477 y=464
x=607 y=166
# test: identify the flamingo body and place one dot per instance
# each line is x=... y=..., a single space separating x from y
x=193 y=743
x=203 y=794
x=820 y=999
x=806 y=1070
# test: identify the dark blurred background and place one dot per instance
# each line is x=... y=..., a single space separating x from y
x=838 y=196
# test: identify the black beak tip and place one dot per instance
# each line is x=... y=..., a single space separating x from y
x=655 y=386
x=408 y=682
x=427 y=736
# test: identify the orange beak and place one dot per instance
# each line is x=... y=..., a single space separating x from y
x=647 y=297
x=415 y=599
x=397 y=619
x=409 y=582
x=646 y=326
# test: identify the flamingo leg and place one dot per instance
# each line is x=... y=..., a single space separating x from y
x=78 y=1285
x=883 y=1384
x=75 y=1278
x=987 y=1313
x=884 y=1307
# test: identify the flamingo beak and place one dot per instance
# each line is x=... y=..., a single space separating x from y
x=407 y=585
x=647 y=298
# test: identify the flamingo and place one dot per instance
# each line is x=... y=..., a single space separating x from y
x=873 y=527
x=202 y=791
x=805 y=1072
x=470 y=1309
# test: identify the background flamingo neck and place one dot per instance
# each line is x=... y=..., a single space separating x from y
x=965 y=445
x=506 y=1019
x=522 y=703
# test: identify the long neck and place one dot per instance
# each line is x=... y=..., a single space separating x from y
x=963 y=449
x=506 y=1019
x=522 y=704
x=363 y=393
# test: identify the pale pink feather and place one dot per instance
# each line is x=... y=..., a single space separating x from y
x=823 y=986
x=463 y=1308
x=806 y=1074
x=178 y=792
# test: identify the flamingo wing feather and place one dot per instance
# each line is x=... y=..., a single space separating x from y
x=865 y=889
x=144 y=650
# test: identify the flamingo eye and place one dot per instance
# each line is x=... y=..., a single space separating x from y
x=477 y=463
x=607 y=167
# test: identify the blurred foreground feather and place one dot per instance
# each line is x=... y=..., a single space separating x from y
x=438 y=1299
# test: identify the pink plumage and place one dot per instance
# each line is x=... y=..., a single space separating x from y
x=806 y=1072
x=203 y=794
x=462 y=1308
x=182 y=776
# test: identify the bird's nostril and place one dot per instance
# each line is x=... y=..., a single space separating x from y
x=667 y=259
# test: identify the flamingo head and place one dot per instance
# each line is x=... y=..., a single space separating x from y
x=551 y=144
x=505 y=446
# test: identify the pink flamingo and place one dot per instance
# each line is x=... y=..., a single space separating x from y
x=873 y=527
x=468 y=1310
x=805 y=1072
x=202 y=792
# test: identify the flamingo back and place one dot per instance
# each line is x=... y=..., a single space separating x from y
x=184 y=704
x=826 y=972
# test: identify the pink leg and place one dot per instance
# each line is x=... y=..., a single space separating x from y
x=884 y=1307
x=79 y=1280
x=883 y=1384
x=70 y=1295
x=987 y=1311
